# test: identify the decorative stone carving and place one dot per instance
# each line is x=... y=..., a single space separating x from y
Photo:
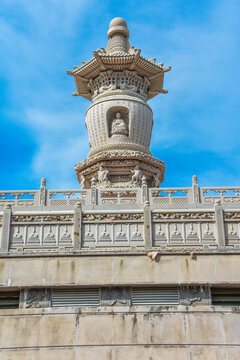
x=137 y=176
x=102 y=175
x=157 y=179
x=208 y=234
x=228 y=215
x=192 y=235
x=37 y=298
x=195 y=295
x=34 y=238
x=119 y=296
x=66 y=237
x=117 y=217
x=183 y=216
x=159 y=235
x=118 y=126
x=136 y=235
x=17 y=237
x=111 y=81
x=175 y=233
x=41 y=218
x=82 y=182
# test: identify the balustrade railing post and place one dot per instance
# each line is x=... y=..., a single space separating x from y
x=144 y=189
x=43 y=193
x=147 y=225
x=7 y=213
x=195 y=190
x=77 y=226
x=219 y=222
x=93 y=194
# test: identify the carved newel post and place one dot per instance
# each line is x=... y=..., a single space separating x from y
x=119 y=82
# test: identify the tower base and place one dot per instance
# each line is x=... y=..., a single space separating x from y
x=119 y=169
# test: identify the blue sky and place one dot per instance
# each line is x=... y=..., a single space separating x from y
x=196 y=126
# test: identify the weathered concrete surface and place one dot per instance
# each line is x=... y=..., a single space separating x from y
x=112 y=333
x=127 y=352
x=116 y=270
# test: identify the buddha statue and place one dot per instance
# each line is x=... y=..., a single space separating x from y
x=118 y=126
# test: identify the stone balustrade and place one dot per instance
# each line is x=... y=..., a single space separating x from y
x=182 y=197
x=131 y=218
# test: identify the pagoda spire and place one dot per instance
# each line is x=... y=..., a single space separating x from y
x=118 y=35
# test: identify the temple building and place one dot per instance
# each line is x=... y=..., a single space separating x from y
x=121 y=267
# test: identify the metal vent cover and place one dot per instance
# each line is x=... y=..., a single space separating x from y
x=75 y=297
x=155 y=296
x=9 y=299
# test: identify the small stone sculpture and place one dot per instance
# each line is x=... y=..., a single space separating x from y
x=194 y=180
x=118 y=126
x=137 y=176
x=82 y=181
x=156 y=179
x=102 y=175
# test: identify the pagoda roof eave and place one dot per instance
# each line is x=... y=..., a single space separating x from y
x=91 y=69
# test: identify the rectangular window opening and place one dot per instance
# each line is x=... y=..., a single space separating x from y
x=155 y=296
x=75 y=297
x=226 y=296
x=9 y=300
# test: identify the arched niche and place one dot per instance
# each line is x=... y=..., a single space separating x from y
x=111 y=119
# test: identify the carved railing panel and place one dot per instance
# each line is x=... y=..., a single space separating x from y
x=120 y=229
x=227 y=195
x=121 y=196
x=232 y=227
x=41 y=231
x=170 y=197
x=66 y=197
x=19 y=198
x=183 y=228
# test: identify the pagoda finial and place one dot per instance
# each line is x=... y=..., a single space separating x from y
x=118 y=35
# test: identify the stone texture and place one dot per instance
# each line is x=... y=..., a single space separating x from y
x=174 y=333
x=119 y=270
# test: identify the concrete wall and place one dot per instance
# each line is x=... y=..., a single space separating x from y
x=116 y=333
x=120 y=269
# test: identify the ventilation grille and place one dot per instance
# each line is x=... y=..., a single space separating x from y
x=75 y=297
x=226 y=296
x=9 y=300
x=155 y=296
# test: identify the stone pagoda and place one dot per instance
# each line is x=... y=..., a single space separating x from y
x=119 y=82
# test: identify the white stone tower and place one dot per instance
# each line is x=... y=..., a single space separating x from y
x=119 y=82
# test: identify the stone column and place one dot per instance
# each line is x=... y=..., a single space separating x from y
x=7 y=212
x=220 y=231
x=77 y=226
x=147 y=225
